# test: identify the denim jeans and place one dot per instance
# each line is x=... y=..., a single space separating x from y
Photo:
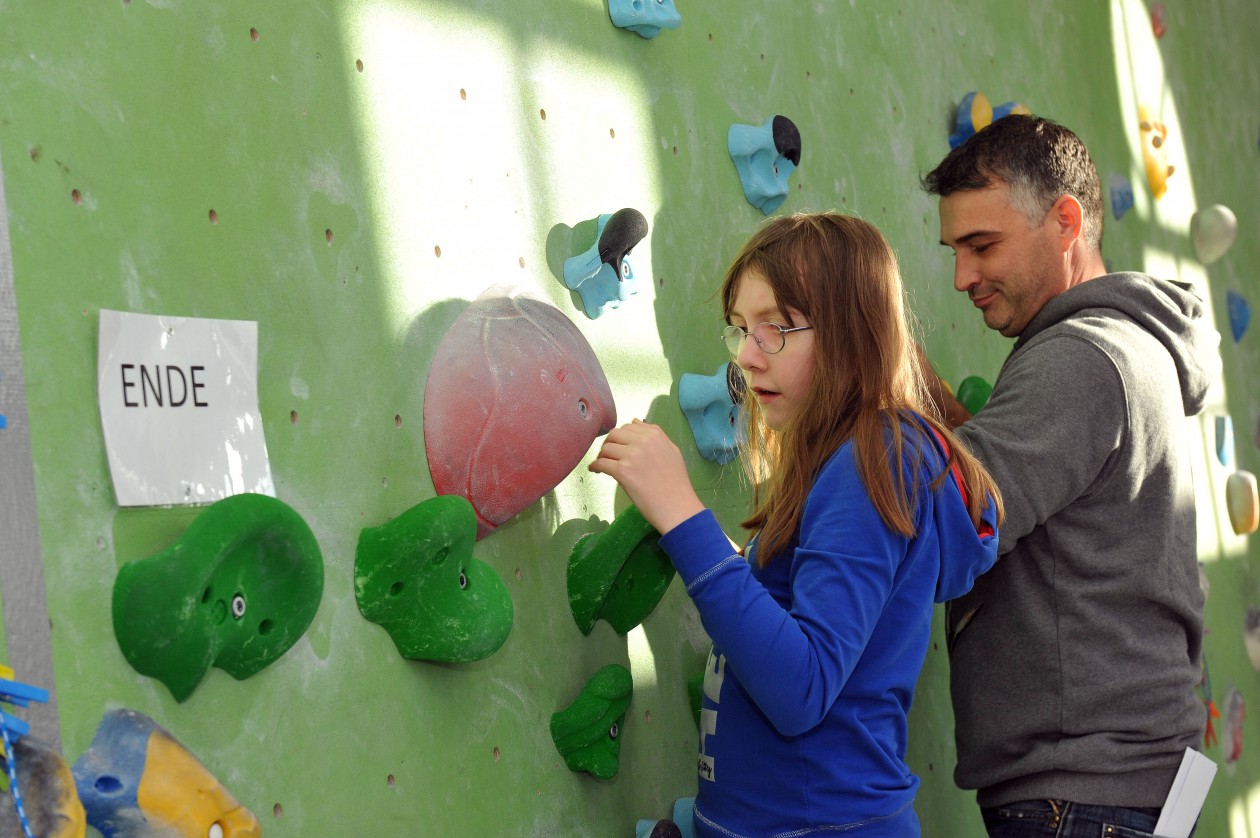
x=1064 y=819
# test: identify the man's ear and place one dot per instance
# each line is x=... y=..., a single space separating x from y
x=1068 y=219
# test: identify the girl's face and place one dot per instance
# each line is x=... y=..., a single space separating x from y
x=780 y=381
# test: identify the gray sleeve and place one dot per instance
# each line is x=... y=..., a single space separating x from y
x=1057 y=414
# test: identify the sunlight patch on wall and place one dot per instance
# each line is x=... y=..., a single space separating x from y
x=485 y=145
x=1143 y=91
x=1141 y=82
x=1243 y=812
x=479 y=141
x=642 y=661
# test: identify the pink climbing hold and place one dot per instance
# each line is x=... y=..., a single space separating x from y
x=515 y=397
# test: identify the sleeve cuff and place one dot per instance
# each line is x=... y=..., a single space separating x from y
x=697 y=545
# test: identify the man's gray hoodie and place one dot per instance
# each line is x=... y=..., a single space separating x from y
x=1074 y=661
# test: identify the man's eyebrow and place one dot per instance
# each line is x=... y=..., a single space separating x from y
x=969 y=237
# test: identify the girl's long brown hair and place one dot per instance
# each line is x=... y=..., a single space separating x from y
x=842 y=275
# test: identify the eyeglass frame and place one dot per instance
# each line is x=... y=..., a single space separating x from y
x=783 y=331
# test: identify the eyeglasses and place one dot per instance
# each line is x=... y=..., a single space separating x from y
x=771 y=337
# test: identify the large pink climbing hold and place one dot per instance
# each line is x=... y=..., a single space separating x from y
x=514 y=400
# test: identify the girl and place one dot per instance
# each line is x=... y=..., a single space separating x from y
x=866 y=510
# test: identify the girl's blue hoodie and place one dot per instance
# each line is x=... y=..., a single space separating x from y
x=815 y=656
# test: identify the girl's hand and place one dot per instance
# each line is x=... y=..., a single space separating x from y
x=650 y=468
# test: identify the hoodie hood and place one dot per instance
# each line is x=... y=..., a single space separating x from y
x=1171 y=311
x=965 y=552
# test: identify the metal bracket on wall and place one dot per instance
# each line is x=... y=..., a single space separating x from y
x=28 y=633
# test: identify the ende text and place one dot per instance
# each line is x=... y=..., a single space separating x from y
x=178 y=386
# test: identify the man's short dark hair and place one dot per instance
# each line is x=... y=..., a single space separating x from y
x=1039 y=160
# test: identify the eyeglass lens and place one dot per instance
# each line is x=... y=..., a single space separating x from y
x=769 y=337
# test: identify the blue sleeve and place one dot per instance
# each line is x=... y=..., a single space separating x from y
x=795 y=660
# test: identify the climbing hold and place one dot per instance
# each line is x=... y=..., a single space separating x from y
x=587 y=733
x=1235 y=712
x=602 y=275
x=1242 y=502
x=1224 y=427
x=973 y=393
x=765 y=156
x=50 y=804
x=1154 y=141
x=235 y=591
x=713 y=407
x=1121 y=191
x=974 y=112
x=1213 y=230
x=644 y=17
x=136 y=780
x=515 y=397
x=618 y=575
x=1239 y=314
x=416 y=577
x=1251 y=636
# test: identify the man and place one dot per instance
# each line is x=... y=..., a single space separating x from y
x=1074 y=660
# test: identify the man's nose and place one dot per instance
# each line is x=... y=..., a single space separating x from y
x=965 y=275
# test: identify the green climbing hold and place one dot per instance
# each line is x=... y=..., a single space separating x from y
x=416 y=577
x=973 y=393
x=235 y=591
x=587 y=733
x=618 y=575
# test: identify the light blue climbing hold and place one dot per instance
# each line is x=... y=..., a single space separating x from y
x=681 y=825
x=644 y=17
x=765 y=156
x=1224 y=439
x=712 y=405
x=602 y=276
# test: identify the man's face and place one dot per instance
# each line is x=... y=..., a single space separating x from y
x=1008 y=269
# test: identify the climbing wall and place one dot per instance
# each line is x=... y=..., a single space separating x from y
x=351 y=174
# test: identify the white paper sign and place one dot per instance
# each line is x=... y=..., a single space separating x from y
x=179 y=408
